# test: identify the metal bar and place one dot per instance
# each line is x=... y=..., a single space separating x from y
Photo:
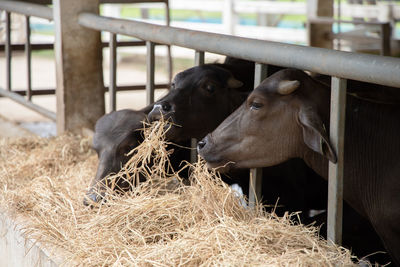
x=169 y=55
x=35 y=92
x=329 y=20
x=335 y=184
x=21 y=100
x=193 y=151
x=150 y=64
x=21 y=47
x=140 y=87
x=261 y=72
x=255 y=186
x=386 y=32
x=255 y=182
x=29 y=9
x=49 y=2
x=130 y=1
x=28 y=55
x=198 y=60
x=357 y=66
x=339 y=8
x=119 y=88
x=8 y=51
x=126 y=43
x=113 y=72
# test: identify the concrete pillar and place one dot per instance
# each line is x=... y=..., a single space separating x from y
x=80 y=88
x=319 y=35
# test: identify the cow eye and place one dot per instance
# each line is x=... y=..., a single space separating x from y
x=210 y=88
x=255 y=105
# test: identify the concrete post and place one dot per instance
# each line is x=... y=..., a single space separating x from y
x=319 y=35
x=80 y=88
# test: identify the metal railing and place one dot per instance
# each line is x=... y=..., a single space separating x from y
x=28 y=10
x=339 y=65
x=38 y=9
x=385 y=32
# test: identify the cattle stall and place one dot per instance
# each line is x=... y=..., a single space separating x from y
x=340 y=65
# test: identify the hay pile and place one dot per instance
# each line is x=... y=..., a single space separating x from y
x=161 y=223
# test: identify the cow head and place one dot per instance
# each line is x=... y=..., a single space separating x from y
x=282 y=119
x=116 y=134
x=200 y=98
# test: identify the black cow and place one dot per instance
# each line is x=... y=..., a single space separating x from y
x=115 y=135
x=202 y=97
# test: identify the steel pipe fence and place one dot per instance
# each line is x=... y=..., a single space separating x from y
x=28 y=10
x=356 y=66
x=255 y=182
x=340 y=65
x=37 y=8
x=199 y=57
x=385 y=31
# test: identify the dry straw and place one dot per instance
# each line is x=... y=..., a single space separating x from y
x=162 y=222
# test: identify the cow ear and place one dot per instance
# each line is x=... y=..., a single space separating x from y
x=314 y=133
x=233 y=83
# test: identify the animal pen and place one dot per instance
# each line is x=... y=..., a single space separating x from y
x=79 y=72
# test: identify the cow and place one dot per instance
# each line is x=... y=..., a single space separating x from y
x=286 y=117
x=198 y=94
x=202 y=97
x=115 y=135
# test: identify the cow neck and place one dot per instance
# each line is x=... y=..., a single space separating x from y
x=313 y=159
x=316 y=162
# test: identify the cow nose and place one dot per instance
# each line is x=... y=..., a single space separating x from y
x=201 y=144
x=91 y=199
x=159 y=110
x=155 y=113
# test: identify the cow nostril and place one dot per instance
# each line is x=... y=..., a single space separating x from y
x=201 y=144
x=166 y=106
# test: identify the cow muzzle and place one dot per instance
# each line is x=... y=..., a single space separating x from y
x=205 y=148
x=92 y=198
x=161 y=110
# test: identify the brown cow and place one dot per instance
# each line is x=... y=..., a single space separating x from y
x=287 y=117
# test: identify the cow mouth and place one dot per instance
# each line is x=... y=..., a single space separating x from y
x=221 y=165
